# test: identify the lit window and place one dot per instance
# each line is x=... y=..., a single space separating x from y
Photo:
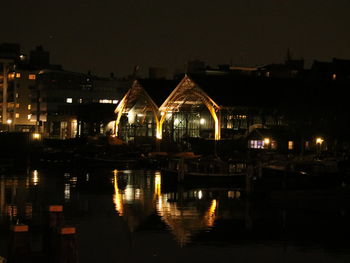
x=18 y=75
x=115 y=101
x=80 y=100
x=290 y=145
x=256 y=144
x=17 y=115
x=202 y=121
x=334 y=76
x=11 y=75
x=69 y=100
x=32 y=76
x=29 y=116
x=29 y=107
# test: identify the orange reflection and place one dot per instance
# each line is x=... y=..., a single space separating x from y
x=157 y=184
x=209 y=217
x=185 y=220
x=117 y=197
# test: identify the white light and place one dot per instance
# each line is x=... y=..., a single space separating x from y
x=35 y=177
x=69 y=100
x=9 y=121
x=202 y=121
x=176 y=121
x=67 y=192
x=105 y=101
x=115 y=101
x=200 y=194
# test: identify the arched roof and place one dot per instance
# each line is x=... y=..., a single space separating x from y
x=135 y=93
x=187 y=90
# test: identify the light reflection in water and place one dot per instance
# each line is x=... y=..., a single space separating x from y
x=200 y=194
x=117 y=197
x=184 y=219
x=203 y=216
x=35 y=179
x=12 y=211
x=66 y=191
x=157 y=184
x=73 y=181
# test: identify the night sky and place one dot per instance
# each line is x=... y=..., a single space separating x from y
x=112 y=36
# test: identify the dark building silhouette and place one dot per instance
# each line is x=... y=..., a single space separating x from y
x=39 y=58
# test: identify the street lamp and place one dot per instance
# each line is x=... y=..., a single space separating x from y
x=266 y=143
x=319 y=142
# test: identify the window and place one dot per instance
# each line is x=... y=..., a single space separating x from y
x=18 y=75
x=80 y=100
x=115 y=101
x=29 y=106
x=29 y=116
x=290 y=145
x=32 y=76
x=256 y=144
x=69 y=100
x=17 y=115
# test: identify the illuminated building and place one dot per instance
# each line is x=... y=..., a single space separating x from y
x=189 y=110
x=42 y=97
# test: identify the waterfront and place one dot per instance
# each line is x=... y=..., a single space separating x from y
x=132 y=216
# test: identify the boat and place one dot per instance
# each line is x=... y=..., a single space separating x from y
x=188 y=167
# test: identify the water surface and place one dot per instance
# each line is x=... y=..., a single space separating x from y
x=135 y=216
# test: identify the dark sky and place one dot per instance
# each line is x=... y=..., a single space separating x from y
x=112 y=36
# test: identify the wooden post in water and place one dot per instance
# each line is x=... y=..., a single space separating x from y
x=19 y=244
x=54 y=220
x=67 y=251
x=55 y=216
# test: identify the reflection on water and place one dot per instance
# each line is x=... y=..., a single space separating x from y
x=203 y=216
x=184 y=213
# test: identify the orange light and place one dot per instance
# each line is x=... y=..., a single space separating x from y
x=267 y=141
